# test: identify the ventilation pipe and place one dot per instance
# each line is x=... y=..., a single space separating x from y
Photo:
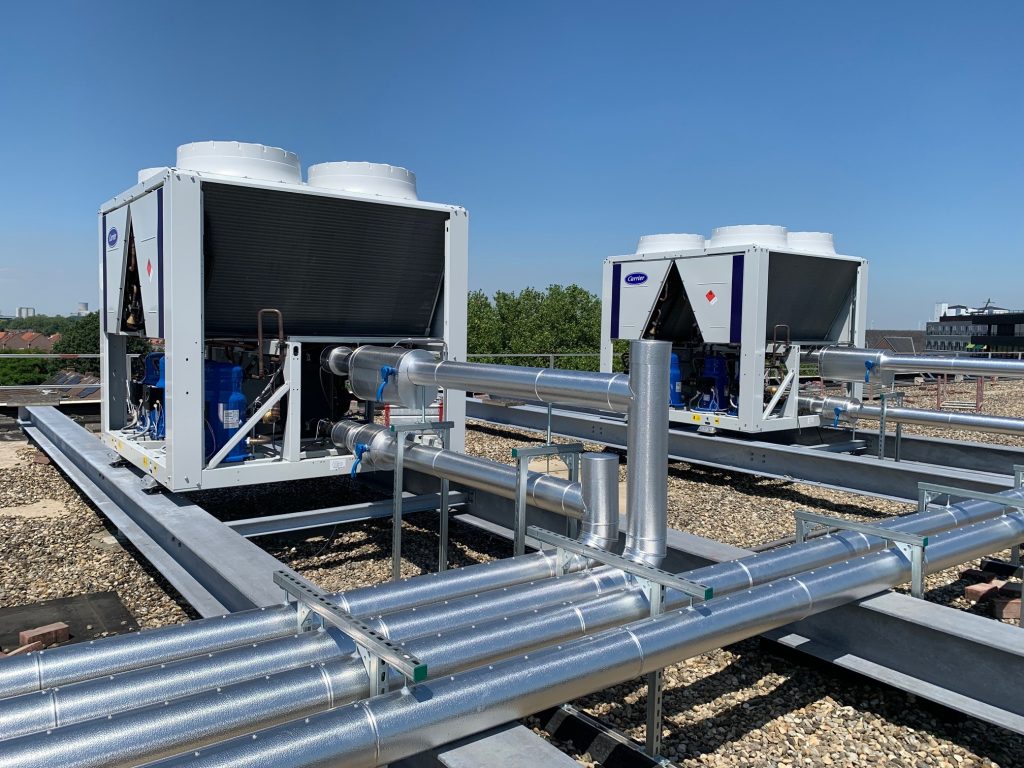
x=849 y=410
x=855 y=364
x=390 y=374
x=408 y=376
x=595 y=500
x=466 y=647
x=387 y=728
x=647 y=459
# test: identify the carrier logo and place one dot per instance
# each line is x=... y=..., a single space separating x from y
x=636 y=278
x=112 y=237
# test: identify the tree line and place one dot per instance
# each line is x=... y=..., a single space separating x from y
x=564 y=320
x=79 y=336
x=561 y=319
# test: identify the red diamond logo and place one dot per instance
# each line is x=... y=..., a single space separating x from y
x=710 y=296
x=149 y=268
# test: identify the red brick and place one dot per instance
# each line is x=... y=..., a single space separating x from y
x=1011 y=589
x=48 y=635
x=978 y=593
x=976 y=574
x=28 y=648
x=1006 y=607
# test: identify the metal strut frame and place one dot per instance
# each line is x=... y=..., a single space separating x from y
x=929 y=491
x=910 y=545
x=653 y=581
x=885 y=397
x=400 y=431
x=571 y=455
x=376 y=651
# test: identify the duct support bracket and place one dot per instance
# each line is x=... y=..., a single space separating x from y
x=656 y=679
x=910 y=545
x=653 y=582
x=1018 y=482
x=566 y=548
x=897 y=399
x=570 y=453
x=314 y=607
x=928 y=491
x=401 y=431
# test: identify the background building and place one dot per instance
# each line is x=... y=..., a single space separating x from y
x=26 y=312
x=987 y=329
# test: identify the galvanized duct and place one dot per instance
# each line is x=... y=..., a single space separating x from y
x=387 y=728
x=855 y=364
x=852 y=409
x=410 y=368
x=391 y=374
x=647 y=458
x=520 y=628
x=200 y=681
x=112 y=655
x=545 y=491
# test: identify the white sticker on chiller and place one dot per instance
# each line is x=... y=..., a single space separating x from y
x=230 y=419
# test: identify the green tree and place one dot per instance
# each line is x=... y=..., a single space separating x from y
x=48 y=324
x=25 y=372
x=83 y=338
x=560 y=319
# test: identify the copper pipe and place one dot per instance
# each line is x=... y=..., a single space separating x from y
x=259 y=335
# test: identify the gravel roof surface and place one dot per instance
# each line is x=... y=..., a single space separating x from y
x=70 y=550
x=735 y=706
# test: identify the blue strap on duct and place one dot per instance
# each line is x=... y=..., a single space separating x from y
x=868 y=365
x=835 y=421
x=361 y=448
x=386 y=372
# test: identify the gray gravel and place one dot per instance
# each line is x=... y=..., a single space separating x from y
x=69 y=551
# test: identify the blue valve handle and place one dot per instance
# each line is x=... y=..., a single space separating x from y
x=386 y=372
x=361 y=448
x=835 y=421
x=868 y=365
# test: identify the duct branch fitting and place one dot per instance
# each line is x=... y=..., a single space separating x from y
x=387 y=728
x=647 y=452
x=852 y=409
x=855 y=364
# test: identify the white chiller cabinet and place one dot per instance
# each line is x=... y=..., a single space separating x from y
x=244 y=272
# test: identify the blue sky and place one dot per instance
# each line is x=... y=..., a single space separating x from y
x=567 y=129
